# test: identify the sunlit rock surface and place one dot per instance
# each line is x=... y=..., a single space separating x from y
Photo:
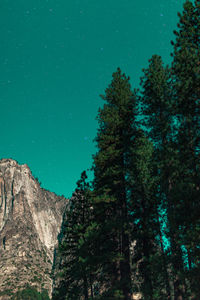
x=30 y=220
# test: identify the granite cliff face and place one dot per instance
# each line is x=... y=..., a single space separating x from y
x=30 y=221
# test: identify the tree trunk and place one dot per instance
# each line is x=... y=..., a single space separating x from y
x=91 y=288
x=125 y=266
x=125 y=250
x=85 y=283
x=164 y=260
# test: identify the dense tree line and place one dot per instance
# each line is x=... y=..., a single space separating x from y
x=136 y=227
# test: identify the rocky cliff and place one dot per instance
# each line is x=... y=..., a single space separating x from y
x=30 y=220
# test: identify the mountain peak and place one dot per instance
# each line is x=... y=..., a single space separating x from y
x=30 y=221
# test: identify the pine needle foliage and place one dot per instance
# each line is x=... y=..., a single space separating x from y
x=137 y=230
x=111 y=169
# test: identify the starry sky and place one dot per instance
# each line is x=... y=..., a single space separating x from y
x=56 y=58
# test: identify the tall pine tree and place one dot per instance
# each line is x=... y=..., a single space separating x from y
x=143 y=215
x=75 y=278
x=157 y=104
x=111 y=168
x=186 y=71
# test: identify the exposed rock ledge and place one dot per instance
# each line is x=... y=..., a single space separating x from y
x=30 y=220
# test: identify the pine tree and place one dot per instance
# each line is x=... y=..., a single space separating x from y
x=111 y=162
x=186 y=71
x=74 y=251
x=142 y=212
x=156 y=106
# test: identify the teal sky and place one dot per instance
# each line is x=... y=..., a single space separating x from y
x=56 y=57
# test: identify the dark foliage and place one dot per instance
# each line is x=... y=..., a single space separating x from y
x=141 y=226
x=31 y=293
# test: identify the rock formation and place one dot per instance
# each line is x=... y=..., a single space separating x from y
x=30 y=220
